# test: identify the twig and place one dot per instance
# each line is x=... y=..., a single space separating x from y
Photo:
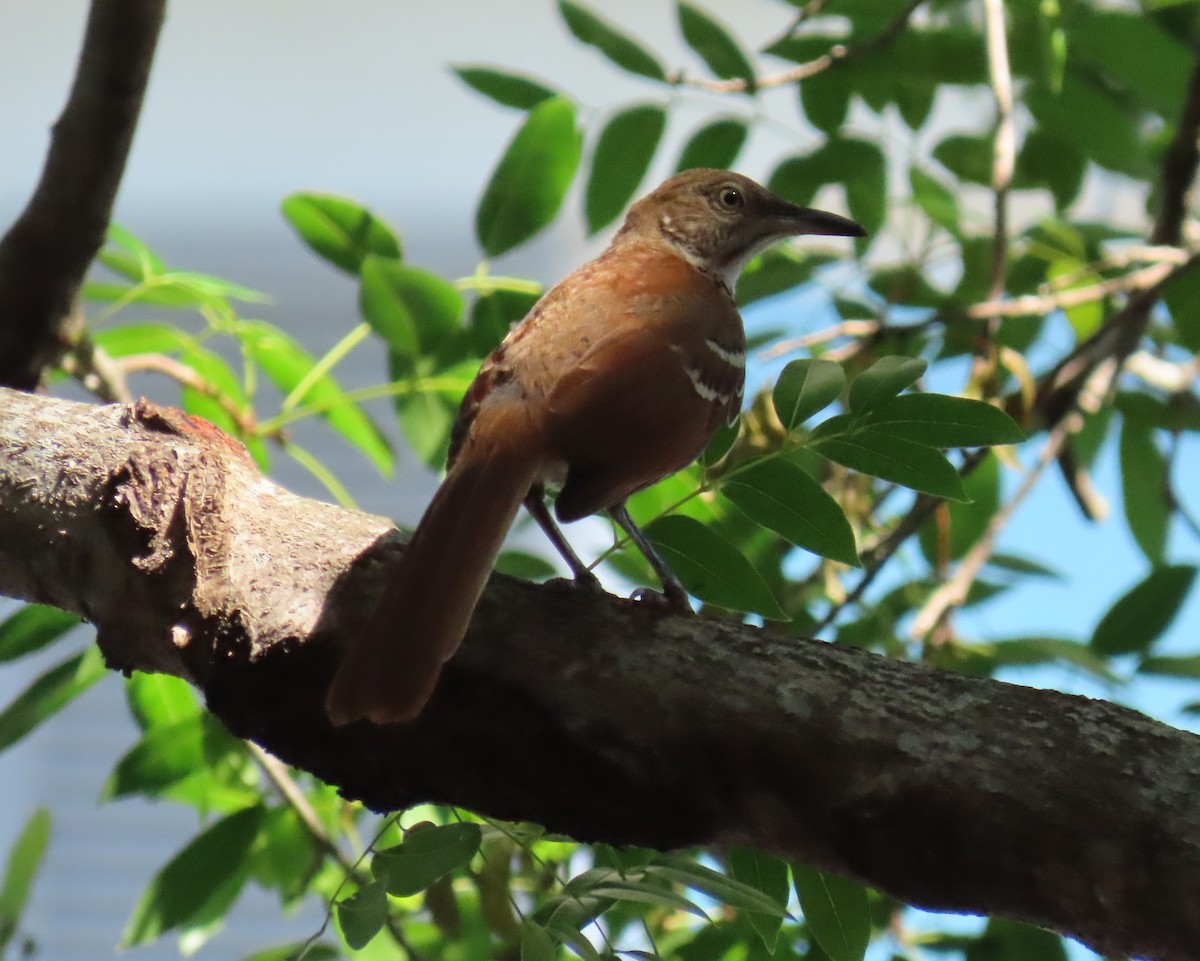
x=1179 y=168
x=1039 y=304
x=875 y=559
x=187 y=377
x=847 y=328
x=953 y=592
x=838 y=53
x=46 y=252
x=1004 y=146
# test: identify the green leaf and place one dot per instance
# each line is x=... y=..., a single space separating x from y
x=128 y=256
x=711 y=568
x=1050 y=650
x=287 y=364
x=413 y=310
x=199 y=884
x=503 y=86
x=714 y=43
x=1144 y=488
x=782 y=497
x=1182 y=294
x=890 y=458
x=318 y=951
x=632 y=888
x=24 y=859
x=939 y=420
x=836 y=912
x=768 y=874
x=362 y=915
x=621 y=49
x=140 y=339
x=1088 y=116
x=1046 y=161
x=805 y=387
x=49 y=694
x=1132 y=48
x=167 y=754
x=938 y=202
x=946 y=537
x=428 y=853
x=883 y=380
x=1144 y=612
x=1187 y=665
x=32 y=628
x=716 y=144
x=528 y=185
x=493 y=315
x=864 y=174
x=620 y=160
x=536 y=944
x=159 y=699
x=968 y=158
x=340 y=230
x=721 y=887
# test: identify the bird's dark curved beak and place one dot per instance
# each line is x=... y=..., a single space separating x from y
x=806 y=220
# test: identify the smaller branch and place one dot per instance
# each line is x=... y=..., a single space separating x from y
x=1179 y=167
x=953 y=592
x=1005 y=144
x=187 y=377
x=46 y=252
x=277 y=773
x=1166 y=376
x=847 y=328
x=1038 y=304
x=877 y=557
x=838 y=53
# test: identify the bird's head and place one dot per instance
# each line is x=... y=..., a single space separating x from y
x=718 y=220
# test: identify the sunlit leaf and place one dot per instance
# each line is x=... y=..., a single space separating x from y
x=413 y=310
x=167 y=754
x=160 y=699
x=527 y=186
x=49 y=694
x=623 y=153
x=340 y=230
x=504 y=86
x=31 y=628
x=24 y=860
x=714 y=43
x=716 y=144
x=617 y=46
x=199 y=884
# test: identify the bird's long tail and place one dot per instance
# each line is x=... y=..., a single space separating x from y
x=390 y=670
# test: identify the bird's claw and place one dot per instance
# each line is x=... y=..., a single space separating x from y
x=669 y=602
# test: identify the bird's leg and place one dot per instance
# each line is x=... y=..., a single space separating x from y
x=673 y=591
x=536 y=505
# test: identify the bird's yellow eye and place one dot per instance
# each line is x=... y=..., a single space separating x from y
x=730 y=197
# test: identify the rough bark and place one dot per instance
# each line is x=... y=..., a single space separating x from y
x=45 y=254
x=594 y=716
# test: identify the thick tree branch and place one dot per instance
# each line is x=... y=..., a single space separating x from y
x=597 y=717
x=45 y=254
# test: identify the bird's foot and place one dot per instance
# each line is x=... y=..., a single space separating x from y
x=668 y=601
x=583 y=580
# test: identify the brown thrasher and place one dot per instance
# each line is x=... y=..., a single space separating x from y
x=618 y=377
